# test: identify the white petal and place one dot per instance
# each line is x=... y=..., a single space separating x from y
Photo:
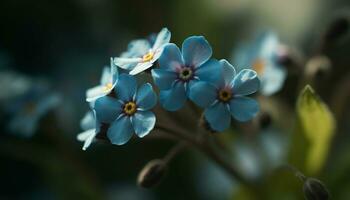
x=96 y=92
x=127 y=63
x=141 y=67
x=106 y=76
x=162 y=38
x=87 y=137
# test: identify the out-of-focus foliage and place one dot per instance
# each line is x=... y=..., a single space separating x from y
x=314 y=131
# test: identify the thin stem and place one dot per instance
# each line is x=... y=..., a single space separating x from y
x=178 y=148
x=295 y=171
x=206 y=149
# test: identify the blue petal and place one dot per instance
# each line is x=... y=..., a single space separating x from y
x=243 y=108
x=146 y=98
x=272 y=79
x=107 y=109
x=143 y=122
x=171 y=58
x=126 y=87
x=203 y=94
x=163 y=79
x=210 y=71
x=228 y=73
x=218 y=116
x=174 y=98
x=246 y=82
x=120 y=131
x=196 y=50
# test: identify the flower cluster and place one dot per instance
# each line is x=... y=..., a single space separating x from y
x=121 y=108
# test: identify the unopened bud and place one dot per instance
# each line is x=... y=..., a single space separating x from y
x=314 y=189
x=152 y=173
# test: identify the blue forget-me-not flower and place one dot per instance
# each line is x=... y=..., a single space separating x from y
x=108 y=80
x=263 y=57
x=141 y=55
x=227 y=97
x=128 y=112
x=180 y=70
x=29 y=109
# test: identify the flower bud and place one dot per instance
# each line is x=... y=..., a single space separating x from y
x=152 y=173
x=315 y=190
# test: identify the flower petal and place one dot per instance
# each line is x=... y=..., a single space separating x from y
x=96 y=92
x=162 y=38
x=272 y=80
x=210 y=71
x=196 y=50
x=88 y=121
x=143 y=122
x=126 y=87
x=106 y=76
x=243 y=108
x=137 y=48
x=120 y=131
x=171 y=58
x=127 y=63
x=107 y=109
x=203 y=94
x=87 y=137
x=246 y=82
x=141 y=67
x=228 y=73
x=218 y=116
x=163 y=79
x=146 y=98
x=174 y=98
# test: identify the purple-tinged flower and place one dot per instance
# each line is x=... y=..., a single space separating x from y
x=227 y=97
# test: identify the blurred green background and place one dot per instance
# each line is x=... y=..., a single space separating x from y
x=67 y=42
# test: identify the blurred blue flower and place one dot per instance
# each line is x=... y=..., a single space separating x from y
x=141 y=55
x=227 y=97
x=108 y=80
x=88 y=124
x=263 y=57
x=178 y=72
x=28 y=109
x=129 y=112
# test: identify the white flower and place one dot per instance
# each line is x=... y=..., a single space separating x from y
x=140 y=55
x=87 y=124
x=108 y=81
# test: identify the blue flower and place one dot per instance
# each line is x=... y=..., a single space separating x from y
x=29 y=109
x=108 y=80
x=227 y=97
x=88 y=124
x=129 y=112
x=141 y=55
x=178 y=72
x=262 y=56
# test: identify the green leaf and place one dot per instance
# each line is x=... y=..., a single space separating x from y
x=314 y=130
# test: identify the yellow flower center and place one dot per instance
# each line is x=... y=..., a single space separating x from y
x=259 y=66
x=225 y=95
x=148 y=57
x=186 y=74
x=130 y=108
x=107 y=87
